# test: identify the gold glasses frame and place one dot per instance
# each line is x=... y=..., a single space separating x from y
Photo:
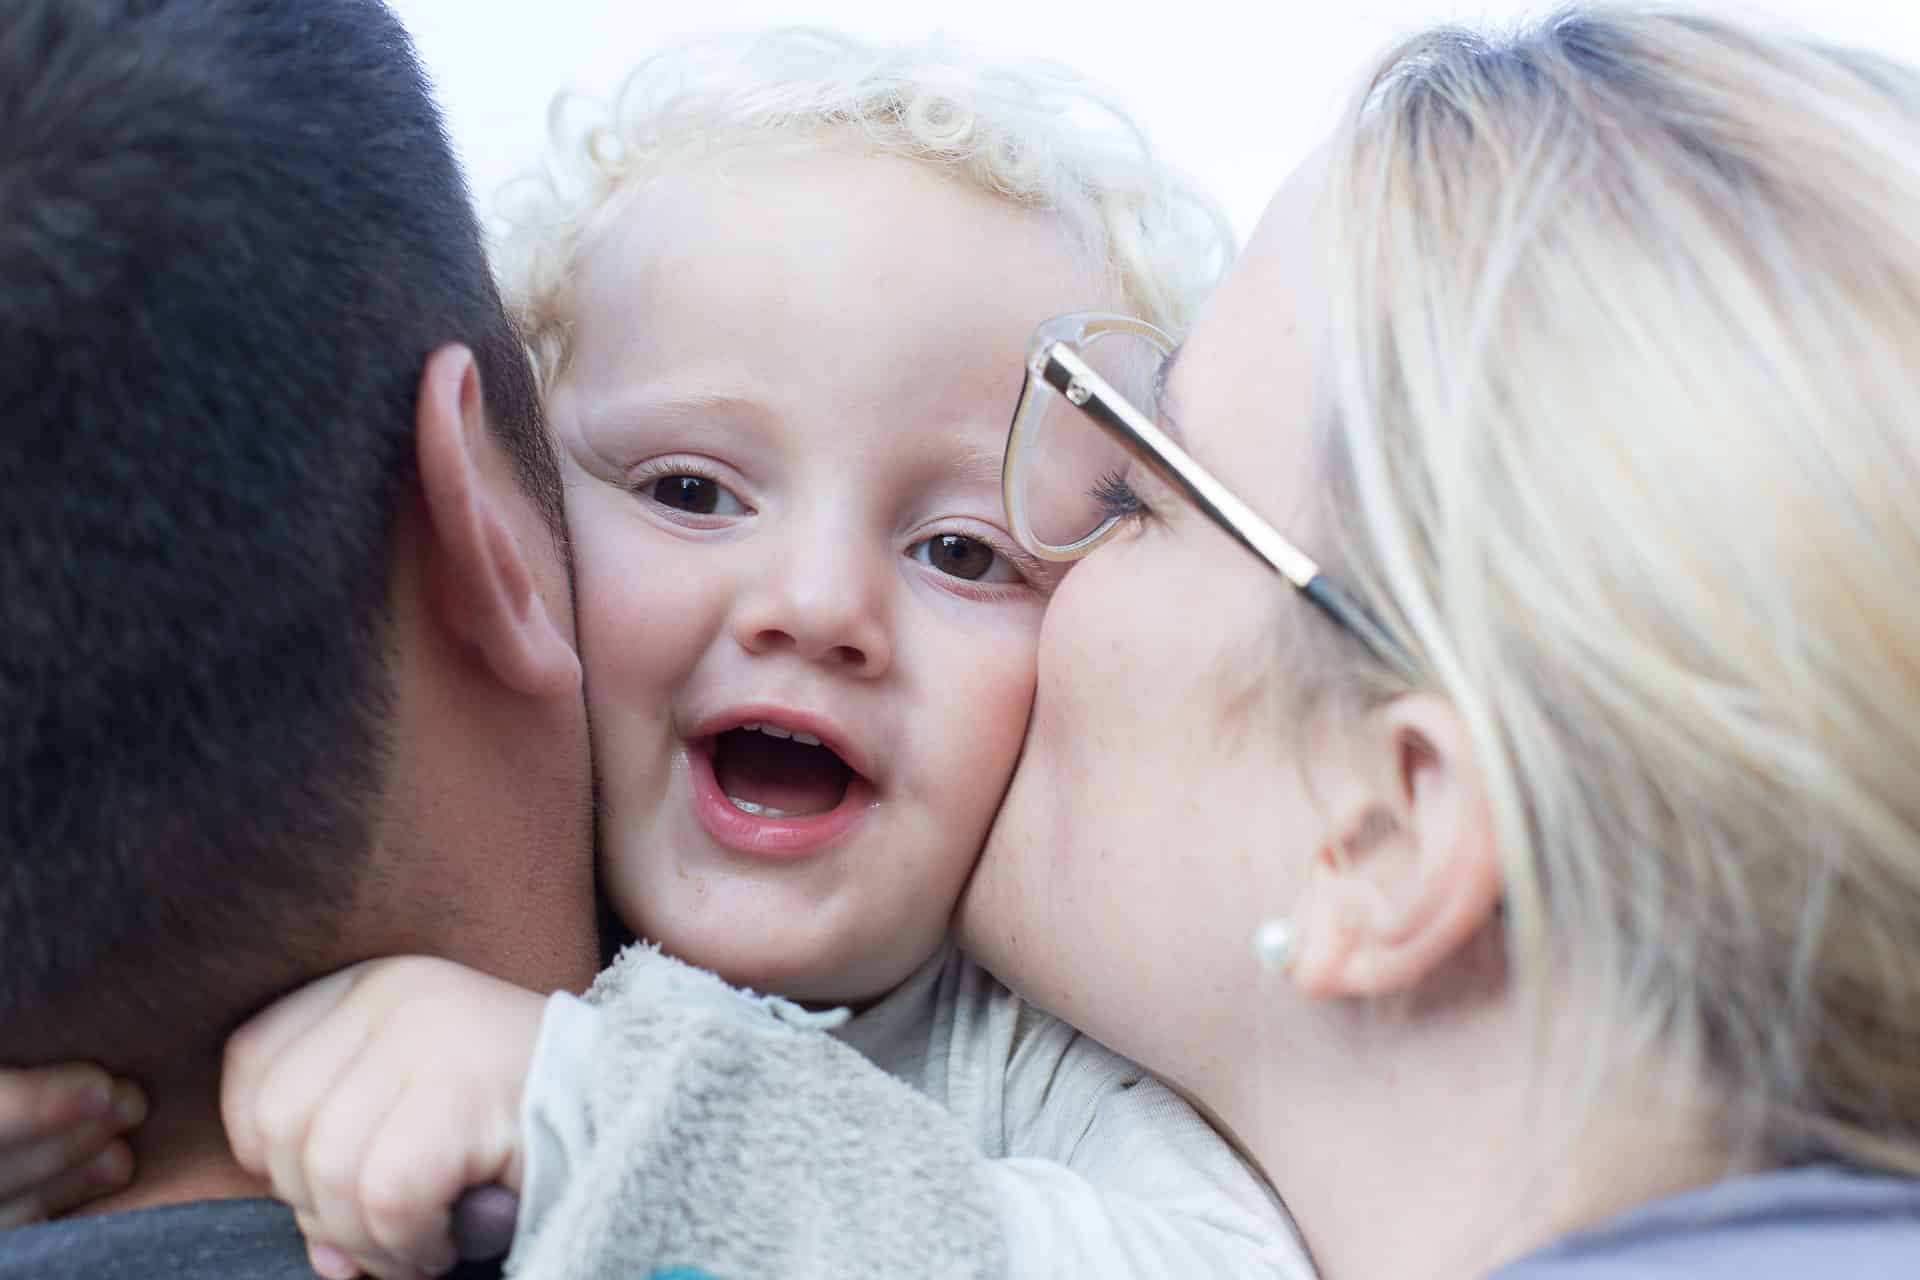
x=1055 y=366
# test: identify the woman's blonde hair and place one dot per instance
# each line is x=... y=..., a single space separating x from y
x=1032 y=132
x=1623 y=439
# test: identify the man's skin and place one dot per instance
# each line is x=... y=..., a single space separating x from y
x=484 y=848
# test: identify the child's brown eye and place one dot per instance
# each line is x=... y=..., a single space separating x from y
x=689 y=493
x=961 y=557
x=695 y=495
x=968 y=559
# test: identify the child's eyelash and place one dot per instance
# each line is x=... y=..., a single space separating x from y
x=653 y=469
x=1036 y=572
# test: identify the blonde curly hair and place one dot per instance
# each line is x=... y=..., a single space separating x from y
x=1032 y=132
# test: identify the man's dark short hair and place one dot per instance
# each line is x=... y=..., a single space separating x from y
x=231 y=231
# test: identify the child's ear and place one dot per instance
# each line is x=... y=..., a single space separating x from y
x=1411 y=870
x=482 y=583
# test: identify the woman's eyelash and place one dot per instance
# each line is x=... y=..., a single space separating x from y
x=1116 y=498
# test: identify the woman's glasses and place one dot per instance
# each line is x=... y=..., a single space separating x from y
x=1087 y=411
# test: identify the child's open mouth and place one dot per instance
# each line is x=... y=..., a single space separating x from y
x=770 y=788
x=770 y=772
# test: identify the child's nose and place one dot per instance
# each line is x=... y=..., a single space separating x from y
x=833 y=615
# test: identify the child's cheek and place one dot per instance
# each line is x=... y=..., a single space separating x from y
x=988 y=708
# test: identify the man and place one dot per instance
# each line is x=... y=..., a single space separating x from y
x=287 y=676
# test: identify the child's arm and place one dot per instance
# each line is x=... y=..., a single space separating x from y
x=692 y=1126
x=60 y=1143
x=684 y=1123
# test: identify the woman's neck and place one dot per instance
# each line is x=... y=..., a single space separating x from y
x=1437 y=1145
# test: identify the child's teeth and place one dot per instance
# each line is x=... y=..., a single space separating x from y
x=757 y=810
x=773 y=731
x=806 y=738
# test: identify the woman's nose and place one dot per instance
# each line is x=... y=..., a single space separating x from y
x=829 y=611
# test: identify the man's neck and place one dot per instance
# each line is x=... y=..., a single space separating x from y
x=181 y=1154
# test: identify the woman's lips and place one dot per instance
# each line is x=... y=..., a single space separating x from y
x=777 y=839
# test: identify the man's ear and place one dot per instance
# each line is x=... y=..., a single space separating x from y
x=1412 y=871
x=481 y=581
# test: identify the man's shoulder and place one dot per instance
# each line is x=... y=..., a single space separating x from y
x=241 y=1239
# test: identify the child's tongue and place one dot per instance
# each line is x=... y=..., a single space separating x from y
x=776 y=777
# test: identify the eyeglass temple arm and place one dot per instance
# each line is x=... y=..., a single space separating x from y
x=1144 y=440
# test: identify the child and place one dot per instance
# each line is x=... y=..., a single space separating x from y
x=778 y=298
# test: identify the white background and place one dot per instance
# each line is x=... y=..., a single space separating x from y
x=1237 y=93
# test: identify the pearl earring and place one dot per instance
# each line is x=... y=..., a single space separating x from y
x=1273 y=944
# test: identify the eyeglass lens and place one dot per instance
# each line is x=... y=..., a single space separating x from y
x=1072 y=465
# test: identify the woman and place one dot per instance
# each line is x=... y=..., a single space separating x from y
x=1588 y=879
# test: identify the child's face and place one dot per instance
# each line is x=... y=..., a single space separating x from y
x=790 y=385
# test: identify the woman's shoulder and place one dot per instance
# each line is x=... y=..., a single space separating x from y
x=1816 y=1220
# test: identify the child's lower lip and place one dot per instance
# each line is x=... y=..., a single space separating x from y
x=760 y=836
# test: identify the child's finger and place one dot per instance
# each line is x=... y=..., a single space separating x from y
x=293 y=1094
x=392 y=1220
x=253 y=1052
x=25 y=1169
x=326 y=1259
x=334 y=1162
x=332 y=1261
x=415 y=1170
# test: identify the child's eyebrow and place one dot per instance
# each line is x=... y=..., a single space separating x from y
x=973 y=464
x=615 y=414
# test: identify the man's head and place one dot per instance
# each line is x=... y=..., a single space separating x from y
x=286 y=644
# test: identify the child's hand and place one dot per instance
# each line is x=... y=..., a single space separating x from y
x=59 y=1139
x=373 y=1098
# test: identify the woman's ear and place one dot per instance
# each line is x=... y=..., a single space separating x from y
x=482 y=585
x=1411 y=870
